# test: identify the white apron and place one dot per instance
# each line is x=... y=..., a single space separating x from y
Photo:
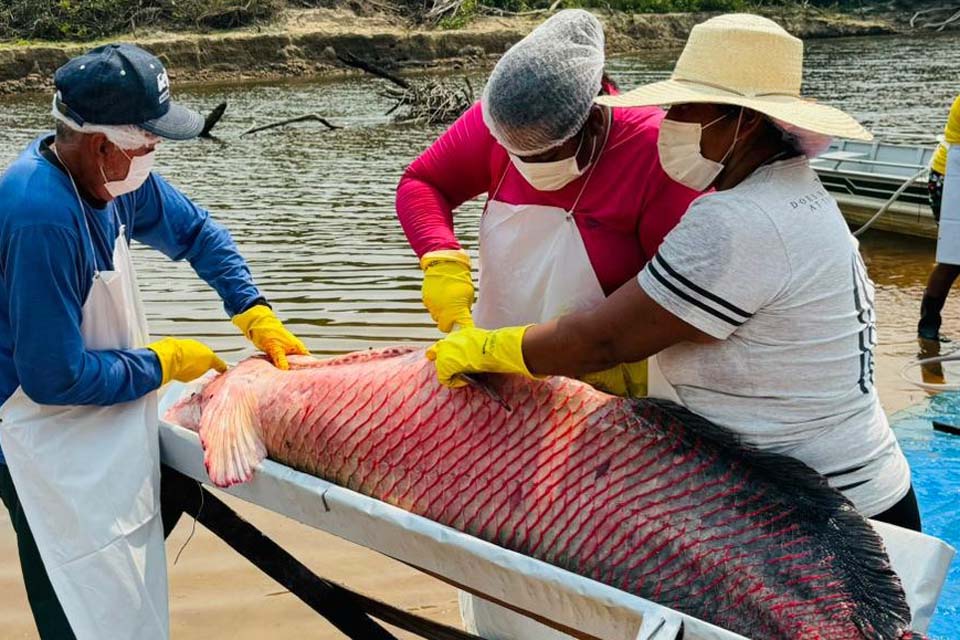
x=533 y=267
x=948 y=235
x=89 y=481
x=533 y=263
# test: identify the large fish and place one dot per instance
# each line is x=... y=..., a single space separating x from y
x=641 y=495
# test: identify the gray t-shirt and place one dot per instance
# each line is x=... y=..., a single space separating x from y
x=770 y=269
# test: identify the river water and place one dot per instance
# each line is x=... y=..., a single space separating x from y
x=312 y=210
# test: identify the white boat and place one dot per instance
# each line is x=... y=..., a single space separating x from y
x=863 y=176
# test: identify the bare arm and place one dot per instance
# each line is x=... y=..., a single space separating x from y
x=626 y=327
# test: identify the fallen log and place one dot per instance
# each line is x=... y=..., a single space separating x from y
x=940 y=26
x=310 y=117
x=933 y=24
x=351 y=60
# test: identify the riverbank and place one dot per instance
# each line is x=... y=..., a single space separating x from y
x=304 y=43
x=312 y=211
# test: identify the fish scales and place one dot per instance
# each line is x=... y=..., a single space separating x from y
x=640 y=495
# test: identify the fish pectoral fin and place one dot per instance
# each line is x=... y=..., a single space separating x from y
x=230 y=434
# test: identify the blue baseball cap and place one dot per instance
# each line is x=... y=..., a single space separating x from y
x=122 y=84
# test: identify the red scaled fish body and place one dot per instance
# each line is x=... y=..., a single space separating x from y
x=641 y=495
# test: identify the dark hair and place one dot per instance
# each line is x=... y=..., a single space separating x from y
x=608 y=85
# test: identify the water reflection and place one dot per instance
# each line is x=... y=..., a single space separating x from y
x=931 y=373
x=312 y=209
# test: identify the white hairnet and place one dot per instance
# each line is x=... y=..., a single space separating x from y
x=807 y=142
x=541 y=91
x=125 y=136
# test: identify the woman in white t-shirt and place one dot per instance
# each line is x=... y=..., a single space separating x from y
x=757 y=304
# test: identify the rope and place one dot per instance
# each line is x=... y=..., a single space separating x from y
x=928 y=386
x=193 y=529
x=886 y=205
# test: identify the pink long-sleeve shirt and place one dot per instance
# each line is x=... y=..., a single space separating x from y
x=629 y=204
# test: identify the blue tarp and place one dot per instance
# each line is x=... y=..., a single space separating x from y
x=935 y=462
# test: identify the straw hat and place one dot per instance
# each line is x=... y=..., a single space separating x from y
x=743 y=60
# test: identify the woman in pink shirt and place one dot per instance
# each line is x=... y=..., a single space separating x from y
x=577 y=200
x=577 y=203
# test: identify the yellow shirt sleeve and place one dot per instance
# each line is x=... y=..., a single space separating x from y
x=951 y=134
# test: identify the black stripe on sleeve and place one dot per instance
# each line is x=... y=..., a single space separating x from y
x=700 y=290
x=844 y=472
x=669 y=285
x=847 y=487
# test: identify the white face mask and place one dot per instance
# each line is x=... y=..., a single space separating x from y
x=680 y=157
x=552 y=176
x=138 y=173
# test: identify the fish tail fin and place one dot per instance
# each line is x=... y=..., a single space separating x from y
x=230 y=434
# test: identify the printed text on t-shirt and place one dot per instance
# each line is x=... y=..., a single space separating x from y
x=815 y=201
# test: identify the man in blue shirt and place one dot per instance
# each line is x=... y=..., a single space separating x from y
x=77 y=379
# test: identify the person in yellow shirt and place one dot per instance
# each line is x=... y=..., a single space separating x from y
x=942 y=277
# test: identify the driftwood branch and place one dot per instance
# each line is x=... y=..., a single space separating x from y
x=536 y=12
x=922 y=12
x=212 y=119
x=432 y=102
x=351 y=60
x=308 y=117
x=932 y=24
x=943 y=25
x=443 y=7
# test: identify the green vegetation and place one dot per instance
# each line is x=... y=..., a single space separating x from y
x=669 y=6
x=95 y=19
x=91 y=19
x=469 y=10
x=664 y=6
x=461 y=14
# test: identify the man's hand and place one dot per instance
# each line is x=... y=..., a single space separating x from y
x=262 y=327
x=185 y=360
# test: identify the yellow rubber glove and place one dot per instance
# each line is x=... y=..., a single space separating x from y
x=448 y=288
x=473 y=350
x=185 y=360
x=264 y=329
x=624 y=380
